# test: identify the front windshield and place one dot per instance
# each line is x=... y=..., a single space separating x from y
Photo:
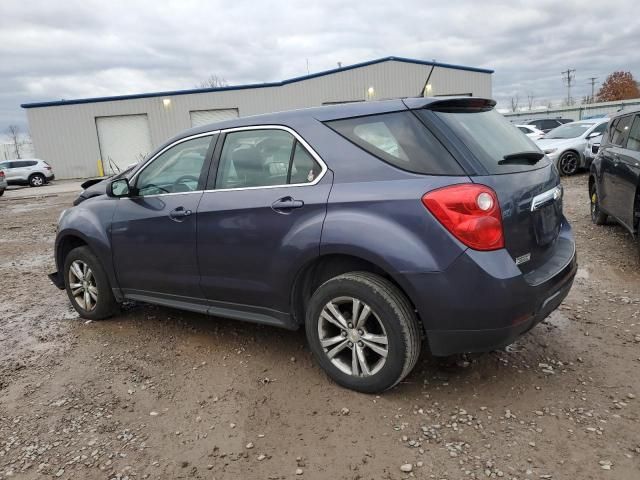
x=569 y=130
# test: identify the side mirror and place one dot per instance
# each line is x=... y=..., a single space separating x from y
x=118 y=188
x=593 y=135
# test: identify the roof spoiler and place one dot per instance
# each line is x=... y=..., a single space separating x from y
x=451 y=104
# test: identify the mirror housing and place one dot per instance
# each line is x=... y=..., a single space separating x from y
x=593 y=135
x=119 y=188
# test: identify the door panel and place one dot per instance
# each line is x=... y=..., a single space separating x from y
x=248 y=247
x=153 y=252
x=629 y=173
x=613 y=196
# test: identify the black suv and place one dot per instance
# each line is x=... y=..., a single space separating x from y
x=614 y=180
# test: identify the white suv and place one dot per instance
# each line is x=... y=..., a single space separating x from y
x=27 y=171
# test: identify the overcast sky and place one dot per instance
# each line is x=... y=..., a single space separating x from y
x=51 y=50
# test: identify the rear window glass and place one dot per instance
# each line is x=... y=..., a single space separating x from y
x=490 y=137
x=399 y=139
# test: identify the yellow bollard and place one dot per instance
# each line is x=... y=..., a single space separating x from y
x=100 y=168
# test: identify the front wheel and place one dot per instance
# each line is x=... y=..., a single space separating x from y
x=597 y=216
x=363 y=331
x=87 y=285
x=569 y=163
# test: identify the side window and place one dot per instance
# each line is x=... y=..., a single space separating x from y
x=31 y=163
x=633 y=142
x=263 y=158
x=620 y=130
x=5 y=165
x=612 y=126
x=600 y=128
x=401 y=140
x=177 y=170
x=524 y=130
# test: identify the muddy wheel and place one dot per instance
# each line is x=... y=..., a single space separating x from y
x=87 y=285
x=597 y=216
x=363 y=332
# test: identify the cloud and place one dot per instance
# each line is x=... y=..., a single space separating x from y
x=73 y=49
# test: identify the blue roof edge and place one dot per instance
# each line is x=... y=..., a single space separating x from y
x=253 y=85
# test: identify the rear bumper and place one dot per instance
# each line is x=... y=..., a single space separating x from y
x=483 y=302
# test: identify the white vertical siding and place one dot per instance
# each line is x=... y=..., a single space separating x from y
x=66 y=135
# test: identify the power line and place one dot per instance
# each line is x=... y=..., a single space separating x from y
x=569 y=76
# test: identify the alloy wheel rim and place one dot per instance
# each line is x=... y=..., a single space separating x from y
x=37 y=181
x=352 y=337
x=569 y=164
x=82 y=284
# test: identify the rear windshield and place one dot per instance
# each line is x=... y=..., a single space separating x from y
x=490 y=137
x=400 y=139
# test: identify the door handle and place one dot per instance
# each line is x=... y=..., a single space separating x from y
x=286 y=204
x=180 y=213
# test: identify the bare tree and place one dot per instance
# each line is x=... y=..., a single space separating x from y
x=16 y=139
x=514 y=103
x=213 y=81
x=549 y=104
x=530 y=99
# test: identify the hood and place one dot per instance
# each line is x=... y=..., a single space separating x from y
x=92 y=188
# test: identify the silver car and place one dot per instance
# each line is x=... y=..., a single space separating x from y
x=27 y=171
x=3 y=182
x=566 y=144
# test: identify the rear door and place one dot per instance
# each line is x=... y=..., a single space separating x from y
x=260 y=218
x=527 y=186
x=614 y=196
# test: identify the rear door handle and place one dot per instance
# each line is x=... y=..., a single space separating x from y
x=180 y=213
x=286 y=204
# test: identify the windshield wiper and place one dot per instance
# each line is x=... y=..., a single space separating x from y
x=527 y=157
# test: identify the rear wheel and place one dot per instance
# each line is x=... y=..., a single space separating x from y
x=363 y=331
x=87 y=285
x=597 y=216
x=569 y=163
x=36 y=180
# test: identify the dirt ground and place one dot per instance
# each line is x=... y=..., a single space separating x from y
x=159 y=393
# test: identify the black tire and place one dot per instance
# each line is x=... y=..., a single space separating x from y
x=1 y=192
x=569 y=163
x=37 y=180
x=597 y=216
x=103 y=305
x=391 y=313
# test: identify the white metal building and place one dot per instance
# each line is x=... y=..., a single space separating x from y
x=80 y=137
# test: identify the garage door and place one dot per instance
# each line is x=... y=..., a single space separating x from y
x=205 y=117
x=123 y=140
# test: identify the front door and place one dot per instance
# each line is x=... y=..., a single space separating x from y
x=261 y=220
x=154 y=230
x=628 y=171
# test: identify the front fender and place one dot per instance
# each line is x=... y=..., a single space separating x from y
x=90 y=222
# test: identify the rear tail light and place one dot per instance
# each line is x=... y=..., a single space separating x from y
x=1 y=174
x=470 y=212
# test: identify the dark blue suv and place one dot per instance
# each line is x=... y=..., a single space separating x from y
x=375 y=225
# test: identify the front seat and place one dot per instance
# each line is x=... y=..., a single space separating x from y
x=247 y=162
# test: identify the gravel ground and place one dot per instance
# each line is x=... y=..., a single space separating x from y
x=158 y=393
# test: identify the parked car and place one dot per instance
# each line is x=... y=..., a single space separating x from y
x=614 y=179
x=548 y=124
x=365 y=223
x=27 y=171
x=3 y=182
x=566 y=144
x=530 y=131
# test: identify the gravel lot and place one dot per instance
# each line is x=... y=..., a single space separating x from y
x=158 y=393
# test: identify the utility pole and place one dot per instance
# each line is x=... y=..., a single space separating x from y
x=592 y=81
x=569 y=76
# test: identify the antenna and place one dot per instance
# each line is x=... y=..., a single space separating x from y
x=426 y=83
x=569 y=76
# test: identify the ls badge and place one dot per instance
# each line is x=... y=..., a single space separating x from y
x=523 y=259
